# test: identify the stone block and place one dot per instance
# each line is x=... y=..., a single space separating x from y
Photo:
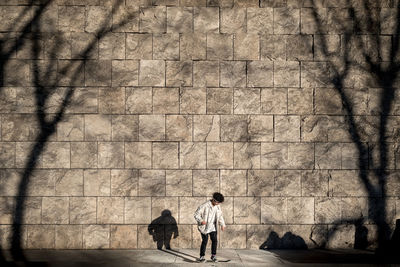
x=206 y=127
x=219 y=100
x=166 y=46
x=151 y=183
x=19 y=127
x=287 y=128
x=71 y=18
x=123 y=236
x=110 y=210
x=151 y=127
x=112 y=100
x=82 y=210
x=192 y=155
x=234 y=237
x=314 y=183
x=152 y=73
x=192 y=46
x=234 y=128
x=111 y=154
x=260 y=20
x=124 y=182
x=179 y=19
x=43 y=182
x=205 y=182
x=70 y=183
x=315 y=74
x=233 y=182
x=300 y=210
x=260 y=74
x=84 y=100
x=340 y=237
x=328 y=210
x=125 y=128
x=193 y=100
x=97 y=127
x=287 y=156
x=206 y=19
x=178 y=182
x=139 y=100
x=274 y=100
x=309 y=23
x=80 y=42
x=138 y=155
x=56 y=155
x=274 y=210
x=68 y=237
x=112 y=46
x=137 y=210
x=286 y=20
x=165 y=155
x=92 y=21
x=287 y=183
x=166 y=100
x=32 y=210
x=7 y=209
x=219 y=46
x=260 y=182
x=153 y=19
x=71 y=128
x=299 y=47
x=324 y=129
x=198 y=3
x=83 y=155
x=126 y=19
x=247 y=210
x=139 y=46
x=145 y=240
x=354 y=208
x=125 y=72
x=286 y=74
x=233 y=20
x=6 y=234
x=260 y=128
x=7 y=156
x=246 y=155
x=18 y=73
x=348 y=183
x=164 y=210
x=328 y=156
x=40 y=236
x=232 y=74
x=300 y=101
x=326 y=47
x=96 y=236
x=179 y=73
x=184 y=238
x=55 y=210
x=98 y=73
x=96 y=182
x=328 y=101
x=246 y=46
x=205 y=73
x=9 y=180
x=220 y=155
x=258 y=234
x=179 y=127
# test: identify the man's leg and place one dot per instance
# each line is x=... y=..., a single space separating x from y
x=203 y=244
x=214 y=240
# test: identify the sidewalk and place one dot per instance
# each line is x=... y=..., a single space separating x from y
x=187 y=257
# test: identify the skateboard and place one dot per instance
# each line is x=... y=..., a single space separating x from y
x=213 y=261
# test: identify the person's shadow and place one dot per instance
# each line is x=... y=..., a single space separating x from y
x=162 y=229
x=288 y=241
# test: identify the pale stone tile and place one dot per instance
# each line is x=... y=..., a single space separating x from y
x=40 y=236
x=7 y=156
x=165 y=155
x=166 y=46
x=300 y=101
x=233 y=20
x=126 y=18
x=112 y=100
x=219 y=100
x=110 y=210
x=193 y=100
x=123 y=236
x=205 y=182
x=96 y=182
x=71 y=128
x=260 y=20
x=151 y=127
x=287 y=155
x=92 y=21
x=152 y=73
x=139 y=100
x=246 y=46
x=43 y=182
x=112 y=46
x=220 y=155
x=98 y=73
x=84 y=100
x=286 y=74
x=324 y=129
x=19 y=127
x=287 y=128
x=234 y=237
x=287 y=183
x=300 y=210
x=192 y=155
x=7 y=235
x=247 y=101
x=18 y=73
x=328 y=156
x=9 y=180
x=328 y=210
x=97 y=127
x=166 y=100
x=299 y=47
x=286 y=20
x=145 y=240
x=192 y=46
x=33 y=210
x=205 y=73
x=341 y=238
x=328 y=101
x=70 y=183
x=56 y=155
x=206 y=128
x=234 y=128
x=206 y=19
x=187 y=208
x=179 y=19
x=153 y=19
x=354 y=207
x=315 y=74
x=178 y=182
x=246 y=3
x=111 y=154
x=271 y=47
x=139 y=46
x=260 y=128
x=124 y=182
x=82 y=210
x=71 y=18
x=138 y=155
x=80 y=41
x=137 y=210
x=233 y=73
x=314 y=183
x=234 y=182
x=219 y=46
x=247 y=210
x=260 y=74
x=342 y=183
x=125 y=72
x=7 y=209
x=274 y=210
x=125 y=128
x=151 y=183
x=184 y=239
x=165 y=210
x=68 y=237
x=246 y=155
x=55 y=210
x=96 y=236
x=83 y=155
x=179 y=127
x=179 y=73
x=260 y=182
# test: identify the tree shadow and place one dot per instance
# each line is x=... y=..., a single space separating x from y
x=162 y=229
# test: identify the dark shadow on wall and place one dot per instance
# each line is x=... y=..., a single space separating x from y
x=287 y=241
x=163 y=229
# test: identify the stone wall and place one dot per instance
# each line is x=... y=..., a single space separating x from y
x=162 y=103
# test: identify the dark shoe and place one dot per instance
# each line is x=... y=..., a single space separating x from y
x=214 y=258
x=202 y=259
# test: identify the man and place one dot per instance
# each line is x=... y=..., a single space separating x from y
x=208 y=215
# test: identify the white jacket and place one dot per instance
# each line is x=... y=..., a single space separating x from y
x=203 y=214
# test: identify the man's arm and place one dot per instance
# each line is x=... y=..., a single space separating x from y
x=198 y=214
x=221 y=221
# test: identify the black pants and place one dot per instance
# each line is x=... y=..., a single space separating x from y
x=213 y=236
